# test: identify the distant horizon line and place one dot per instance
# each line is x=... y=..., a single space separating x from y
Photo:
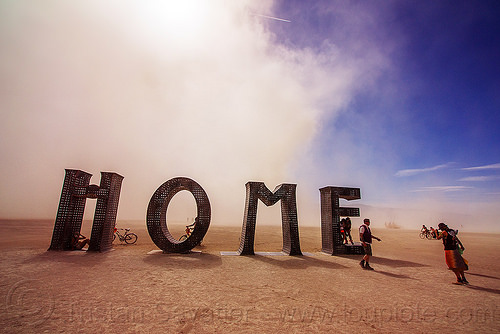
x=277 y=225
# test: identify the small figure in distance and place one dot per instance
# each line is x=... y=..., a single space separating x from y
x=434 y=232
x=79 y=241
x=424 y=229
x=365 y=235
x=347 y=230
x=454 y=260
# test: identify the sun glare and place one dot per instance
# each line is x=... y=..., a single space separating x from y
x=183 y=21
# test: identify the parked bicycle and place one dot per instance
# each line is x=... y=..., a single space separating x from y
x=189 y=230
x=127 y=237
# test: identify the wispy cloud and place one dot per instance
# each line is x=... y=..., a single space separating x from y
x=442 y=189
x=493 y=166
x=411 y=172
x=480 y=178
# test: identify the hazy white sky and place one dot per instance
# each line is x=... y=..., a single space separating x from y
x=152 y=91
x=211 y=90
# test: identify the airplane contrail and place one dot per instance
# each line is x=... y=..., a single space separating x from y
x=272 y=18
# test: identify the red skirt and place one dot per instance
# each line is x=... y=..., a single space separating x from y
x=454 y=260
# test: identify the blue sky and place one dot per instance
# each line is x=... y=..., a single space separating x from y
x=398 y=98
x=434 y=106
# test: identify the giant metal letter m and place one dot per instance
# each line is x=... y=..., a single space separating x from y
x=289 y=221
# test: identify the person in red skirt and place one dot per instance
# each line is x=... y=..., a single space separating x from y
x=454 y=260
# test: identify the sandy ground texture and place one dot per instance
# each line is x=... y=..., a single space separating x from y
x=128 y=290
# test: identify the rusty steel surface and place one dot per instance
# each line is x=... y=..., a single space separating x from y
x=156 y=218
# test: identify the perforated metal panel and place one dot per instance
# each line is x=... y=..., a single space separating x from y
x=76 y=190
x=108 y=195
x=157 y=215
x=331 y=238
x=289 y=220
x=354 y=249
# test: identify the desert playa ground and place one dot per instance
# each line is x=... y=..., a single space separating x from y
x=128 y=290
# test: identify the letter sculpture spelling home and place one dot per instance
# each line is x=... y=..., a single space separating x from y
x=76 y=190
x=331 y=239
x=289 y=221
x=157 y=215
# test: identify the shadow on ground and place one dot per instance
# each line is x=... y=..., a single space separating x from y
x=396 y=263
x=298 y=262
x=481 y=275
x=386 y=261
x=386 y=273
x=480 y=288
x=183 y=261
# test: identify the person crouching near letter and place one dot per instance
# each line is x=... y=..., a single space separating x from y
x=365 y=235
x=454 y=260
x=79 y=241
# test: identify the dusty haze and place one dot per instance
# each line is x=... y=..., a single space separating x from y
x=159 y=90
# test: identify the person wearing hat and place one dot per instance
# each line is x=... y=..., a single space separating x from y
x=365 y=235
x=454 y=260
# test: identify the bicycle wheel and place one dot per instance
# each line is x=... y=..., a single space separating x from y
x=131 y=238
x=183 y=237
x=422 y=235
x=428 y=236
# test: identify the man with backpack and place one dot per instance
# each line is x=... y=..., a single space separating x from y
x=365 y=236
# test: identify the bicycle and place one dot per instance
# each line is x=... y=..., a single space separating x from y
x=128 y=237
x=426 y=234
x=188 y=231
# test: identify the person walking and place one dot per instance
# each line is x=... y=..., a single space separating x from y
x=365 y=235
x=454 y=260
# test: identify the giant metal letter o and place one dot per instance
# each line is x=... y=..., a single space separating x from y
x=157 y=215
